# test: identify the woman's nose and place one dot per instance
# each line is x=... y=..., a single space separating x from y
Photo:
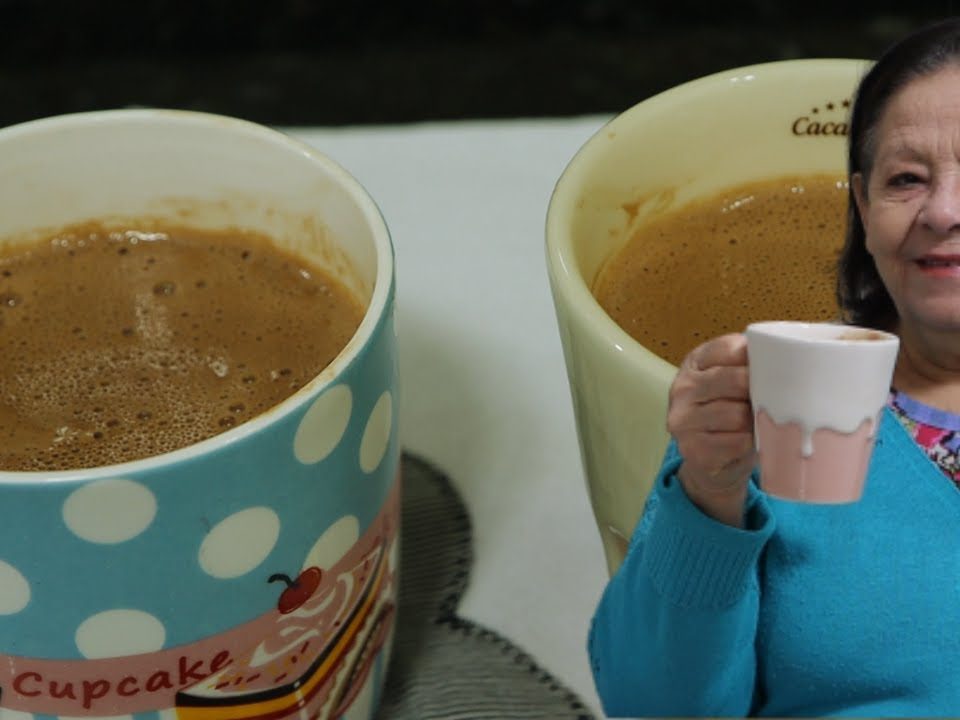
x=941 y=212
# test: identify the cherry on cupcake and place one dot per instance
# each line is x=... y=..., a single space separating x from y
x=297 y=591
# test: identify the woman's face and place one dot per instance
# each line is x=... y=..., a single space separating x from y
x=910 y=204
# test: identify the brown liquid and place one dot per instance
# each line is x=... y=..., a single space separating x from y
x=119 y=345
x=862 y=335
x=760 y=251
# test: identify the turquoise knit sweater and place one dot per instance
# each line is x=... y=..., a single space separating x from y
x=812 y=610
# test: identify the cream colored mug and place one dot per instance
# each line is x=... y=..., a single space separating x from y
x=729 y=128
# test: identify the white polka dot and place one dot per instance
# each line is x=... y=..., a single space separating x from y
x=376 y=435
x=109 y=511
x=8 y=714
x=239 y=543
x=117 y=633
x=14 y=590
x=334 y=543
x=323 y=426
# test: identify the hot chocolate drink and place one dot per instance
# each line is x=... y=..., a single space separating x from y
x=862 y=335
x=764 y=250
x=122 y=344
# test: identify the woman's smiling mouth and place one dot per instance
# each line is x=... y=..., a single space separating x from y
x=945 y=265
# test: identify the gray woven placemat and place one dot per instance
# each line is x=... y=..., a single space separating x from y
x=443 y=666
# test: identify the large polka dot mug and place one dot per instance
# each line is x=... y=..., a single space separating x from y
x=252 y=575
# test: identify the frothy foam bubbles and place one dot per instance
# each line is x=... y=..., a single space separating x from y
x=130 y=343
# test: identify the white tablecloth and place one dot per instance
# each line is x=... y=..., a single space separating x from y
x=484 y=390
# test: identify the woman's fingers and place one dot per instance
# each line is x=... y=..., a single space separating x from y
x=721 y=383
x=710 y=417
x=715 y=452
x=722 y=416
x=725 y=350
x=715 y=370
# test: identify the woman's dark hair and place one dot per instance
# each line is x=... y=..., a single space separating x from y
x=861 y=294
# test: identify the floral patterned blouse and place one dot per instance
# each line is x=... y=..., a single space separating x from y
x=936 y=431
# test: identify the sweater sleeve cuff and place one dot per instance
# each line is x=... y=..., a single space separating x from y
x=695 y=561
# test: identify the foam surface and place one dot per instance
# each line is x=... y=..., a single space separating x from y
x=761 y=251
x=119 y=345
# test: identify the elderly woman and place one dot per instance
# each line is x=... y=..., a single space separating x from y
x=731 y=602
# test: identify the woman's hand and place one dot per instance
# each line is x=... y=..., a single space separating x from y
x=710 y=417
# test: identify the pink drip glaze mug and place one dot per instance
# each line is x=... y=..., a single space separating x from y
x=817 y=391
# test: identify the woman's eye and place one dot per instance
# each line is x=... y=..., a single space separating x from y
x=904 y=179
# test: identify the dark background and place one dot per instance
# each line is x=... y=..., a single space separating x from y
x=317 y=62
